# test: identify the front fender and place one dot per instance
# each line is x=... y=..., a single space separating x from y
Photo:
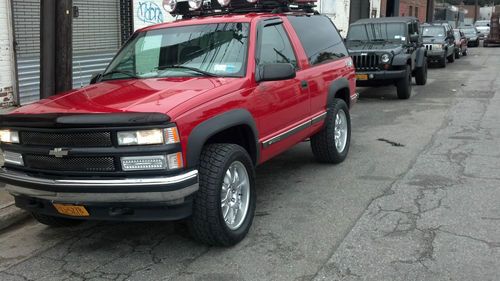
x=421 y=57
x=203 y=131
x=400 y=60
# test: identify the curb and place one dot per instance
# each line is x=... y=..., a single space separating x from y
x=10 y=215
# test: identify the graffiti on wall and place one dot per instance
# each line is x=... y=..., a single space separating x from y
x=149 y=12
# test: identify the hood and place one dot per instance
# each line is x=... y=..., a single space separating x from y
x=369 y=46
x=138 y=95
x=434 y=40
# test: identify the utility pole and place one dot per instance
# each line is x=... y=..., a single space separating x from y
x=56 y=50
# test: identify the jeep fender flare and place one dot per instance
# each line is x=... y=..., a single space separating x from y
x=421 y=57
x=335 y=87
x=208 y=128
x=401 y=60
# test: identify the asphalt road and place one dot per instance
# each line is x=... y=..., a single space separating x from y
x=417 y=199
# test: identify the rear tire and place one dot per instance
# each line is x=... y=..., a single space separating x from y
x=465 y=53
x=403 y=85
x=458 y=54
x=421 y=74
x=326 y=144
x=224 y=169
x=54 y=221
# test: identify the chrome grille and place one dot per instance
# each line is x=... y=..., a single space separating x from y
x=79 y=139
x=366 y=62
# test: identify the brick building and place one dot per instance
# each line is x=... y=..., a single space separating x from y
x=7 y=75
x=414 y=8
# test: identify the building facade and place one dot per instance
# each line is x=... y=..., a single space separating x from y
x=7 y=69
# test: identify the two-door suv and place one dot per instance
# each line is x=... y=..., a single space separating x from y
x=388 y=51
x=175 y=126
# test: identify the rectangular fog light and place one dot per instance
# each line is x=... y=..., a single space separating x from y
x=144 y=163
x=13 y=158
x=175 y=161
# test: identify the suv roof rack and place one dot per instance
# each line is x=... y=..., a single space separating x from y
x=199 y=8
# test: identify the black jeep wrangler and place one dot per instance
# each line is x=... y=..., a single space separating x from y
x=388 y=51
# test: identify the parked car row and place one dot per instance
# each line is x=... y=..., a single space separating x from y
x=393 y=50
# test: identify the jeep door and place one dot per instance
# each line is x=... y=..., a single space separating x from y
x=283 y=106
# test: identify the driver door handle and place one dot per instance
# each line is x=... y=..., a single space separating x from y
x=304 y=84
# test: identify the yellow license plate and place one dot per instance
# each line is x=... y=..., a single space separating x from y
x=361 y=76
x=71 y=210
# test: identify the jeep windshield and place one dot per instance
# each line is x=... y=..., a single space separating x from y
x=377 y=32
x=433 y=31
x=188 y=51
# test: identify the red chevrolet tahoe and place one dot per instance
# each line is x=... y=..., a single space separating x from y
x=175 y=126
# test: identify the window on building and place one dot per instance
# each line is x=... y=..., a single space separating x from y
x=416 y=12
x=320 y=38
x=411 y=11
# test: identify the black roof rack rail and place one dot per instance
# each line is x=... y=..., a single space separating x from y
x=212 y=7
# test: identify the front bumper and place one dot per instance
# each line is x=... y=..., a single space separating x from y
x=152 y=198
x=435 y=54
x=377 y=77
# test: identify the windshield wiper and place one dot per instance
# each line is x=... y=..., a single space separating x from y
x=176 y=66
x=124 y=72
x=379 y=40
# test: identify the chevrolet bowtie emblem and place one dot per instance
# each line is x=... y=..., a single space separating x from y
x=58 y=152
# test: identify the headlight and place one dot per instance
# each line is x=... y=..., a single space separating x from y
x=9 y=136
x=224 y=3
x=195 y=4
x=385 y=58
x=143 y=137
x=437 y=46
x=169 y=5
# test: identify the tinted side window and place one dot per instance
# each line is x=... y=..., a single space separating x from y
x=276 y=47
x=319 y=37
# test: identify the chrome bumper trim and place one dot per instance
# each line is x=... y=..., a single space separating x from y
x=153 y=181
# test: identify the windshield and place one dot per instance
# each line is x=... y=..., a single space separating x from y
x=188 y=51
x=482 y=23
x=433 y=31
x=377 y=32
x=469 y=31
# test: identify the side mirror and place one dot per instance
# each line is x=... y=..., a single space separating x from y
x=275 y=72
x=414 y=38
x=95 y=78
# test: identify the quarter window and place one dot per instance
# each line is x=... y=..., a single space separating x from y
x=319 y=37
x=276 y=47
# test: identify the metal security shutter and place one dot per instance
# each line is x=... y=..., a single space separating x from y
x=97 y=27
x=96 y=38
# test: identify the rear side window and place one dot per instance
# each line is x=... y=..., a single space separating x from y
x=319 y=37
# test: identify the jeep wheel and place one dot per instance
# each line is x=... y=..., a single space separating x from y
x=458 y=53
x=442 y=61
x=55 y=221
x=421 y=74
x=464 y=53
x=224 y=206
x=451 y=58
x=331 y=144
x=404 y=85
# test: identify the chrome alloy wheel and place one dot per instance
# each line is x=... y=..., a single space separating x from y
x=340 y=131
x=235 y=195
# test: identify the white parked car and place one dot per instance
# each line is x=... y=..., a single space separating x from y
x=483 y=26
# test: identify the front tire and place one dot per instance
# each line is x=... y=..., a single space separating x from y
x=54 y=221
x=421 y=74
x=403 y=85
x=331 y=144
x=224 y=206
x=442 y=61
x=451 y=58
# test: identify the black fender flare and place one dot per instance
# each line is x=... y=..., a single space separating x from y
x=400 y=60
x=335 y=87
x=208 y=128
x=421 y=57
